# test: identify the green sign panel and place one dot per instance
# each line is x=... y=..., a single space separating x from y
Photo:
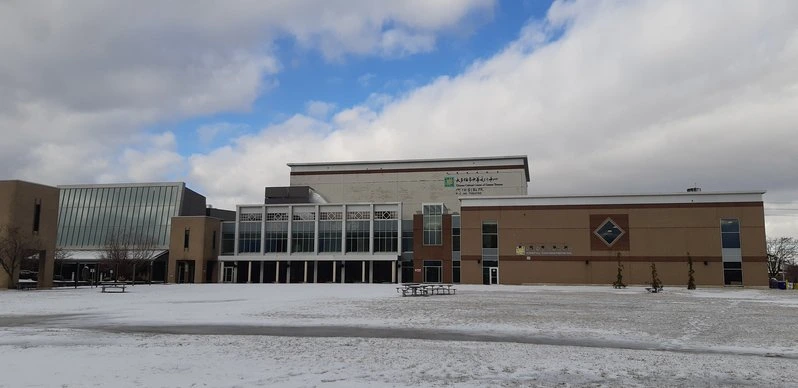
x=448 y=181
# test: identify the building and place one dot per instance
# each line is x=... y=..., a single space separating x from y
x=469 y=220
x=583 y=239
x=373 y=221
x=33 y=210
x=91 y=216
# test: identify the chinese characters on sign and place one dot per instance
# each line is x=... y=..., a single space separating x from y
x=472 y=184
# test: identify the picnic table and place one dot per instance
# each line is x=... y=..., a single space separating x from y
x=113 y=287
x=417 y=289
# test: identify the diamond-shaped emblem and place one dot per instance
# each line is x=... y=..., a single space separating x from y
x=609 y=232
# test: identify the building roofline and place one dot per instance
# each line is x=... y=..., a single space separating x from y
x=617 y=195
x=137 y=184
x=615 y=199
x=409 y=161
x=25 y=182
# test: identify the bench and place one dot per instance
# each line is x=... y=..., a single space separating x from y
x=619 y=286
x=26 y=284
x=113 y=287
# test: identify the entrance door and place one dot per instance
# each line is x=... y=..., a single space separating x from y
x=185 y=271
x=490 y=275
x=229 y=275
x=432 y=271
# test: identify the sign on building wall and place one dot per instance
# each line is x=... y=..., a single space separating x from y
x=546 y=249
x=473 y=183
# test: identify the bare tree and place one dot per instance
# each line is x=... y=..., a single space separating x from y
x=123 y=252
x=781 y=251
x=15 y=248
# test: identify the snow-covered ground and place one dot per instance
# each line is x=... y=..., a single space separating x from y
x=367 y=335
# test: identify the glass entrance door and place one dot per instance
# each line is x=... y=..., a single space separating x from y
x=229 y=275
x=494 y=275
x=490 y=275
x=432 y=271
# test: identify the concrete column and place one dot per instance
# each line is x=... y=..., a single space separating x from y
x=371 y=271
x=306 y=272
x=288 y=272
x=363 y=271
x=249 y=271
x=315 y=271
x=221 y=272
x=262 y=270
x=393 y=273
x=277 y=271
x=343 y=272
x=335 y=269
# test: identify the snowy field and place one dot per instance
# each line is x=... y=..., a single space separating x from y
x=366 y=335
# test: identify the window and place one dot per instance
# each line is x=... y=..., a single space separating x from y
x=303 y=235
x=357 y=236
x=731 y=255
x=609 y=232
x=730 y=233
x=186 y=235
x=433 y=224
x=386 y=234
x=228 y=238
x=330 y=236
x=490 y=244
x=276 y=232
x=455 y=272
x=249 y=234
x=37 y=214
x=213 y=242
x=407 y=236
x=455 y=233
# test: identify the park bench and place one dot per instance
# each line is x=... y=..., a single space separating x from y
x=113 y=287
x=26 y=284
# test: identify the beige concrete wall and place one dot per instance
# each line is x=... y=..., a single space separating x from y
x=17 y=201
x=662 y=235
x=411 y=188
x=200 y=248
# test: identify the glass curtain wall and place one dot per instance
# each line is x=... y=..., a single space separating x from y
x=90 y=216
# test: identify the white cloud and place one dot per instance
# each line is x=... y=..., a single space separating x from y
x=632 y=97
x=87 y=76
x=319 y=109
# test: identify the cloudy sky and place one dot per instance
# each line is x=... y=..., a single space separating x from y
x=603 y=96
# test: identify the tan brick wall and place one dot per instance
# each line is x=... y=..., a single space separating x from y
x=200 y=249
x=17 y=201
x=662 y=235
